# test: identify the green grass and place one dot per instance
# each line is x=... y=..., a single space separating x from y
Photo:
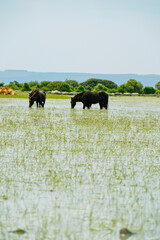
x=26 y=95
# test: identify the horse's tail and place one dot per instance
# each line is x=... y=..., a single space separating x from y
x=104 y=96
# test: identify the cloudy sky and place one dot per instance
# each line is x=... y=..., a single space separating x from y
x=92 y=36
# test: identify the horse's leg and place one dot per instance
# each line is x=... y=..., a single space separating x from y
x=40 y=104
x=37 y=103
x=105 y=105
x=43 y=103
x=84 y=106
x=101 y=105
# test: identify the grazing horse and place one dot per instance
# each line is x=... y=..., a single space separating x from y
x=38 y=97
x=88 y=98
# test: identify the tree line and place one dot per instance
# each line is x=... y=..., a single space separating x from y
x=92 y=84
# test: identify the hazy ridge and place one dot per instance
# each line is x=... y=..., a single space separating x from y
x=27 y=76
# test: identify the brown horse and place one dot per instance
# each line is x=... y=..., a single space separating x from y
x=6 y=91
x=88 y=98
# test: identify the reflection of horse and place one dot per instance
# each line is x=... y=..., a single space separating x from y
x=88 y=98
x=38 y=96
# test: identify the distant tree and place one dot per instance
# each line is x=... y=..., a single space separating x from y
x=48 y=87
x=157 y=92
x=100 y=87
x=65 y=87
x=157 y=86
x=133 y=86
x=112 y=90
x=44 y=84
x=1 y=84
x=80 y=88
x=56 y=85
x=34 y=84
x=122 y=88
x=148 y=90
x=92 y=82
x=26 y=87
x=44 y=89
x=72 y=83
x=12 y=86
x=15 y=85
x=88 y=88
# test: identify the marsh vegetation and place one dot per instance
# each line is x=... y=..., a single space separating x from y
x=80 y=174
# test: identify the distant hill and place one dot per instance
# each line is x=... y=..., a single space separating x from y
x=25 y=76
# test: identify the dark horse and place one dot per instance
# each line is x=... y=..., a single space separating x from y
x=38 y=97
x=88 y=98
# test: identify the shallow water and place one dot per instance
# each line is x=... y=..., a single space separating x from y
x=80 y=174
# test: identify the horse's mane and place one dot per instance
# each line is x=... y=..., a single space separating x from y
x=36 y=89
x=80 y=94
x=33 y=92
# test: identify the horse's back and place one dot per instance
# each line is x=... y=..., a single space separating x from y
x=96 y=97
x=91 y=97
x=42 y=95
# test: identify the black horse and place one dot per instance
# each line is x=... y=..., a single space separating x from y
x=88 y=98
x=38 y=97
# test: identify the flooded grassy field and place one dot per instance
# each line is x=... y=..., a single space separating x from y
x=74 y=174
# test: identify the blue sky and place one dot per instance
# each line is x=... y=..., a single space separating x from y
x=92 y=36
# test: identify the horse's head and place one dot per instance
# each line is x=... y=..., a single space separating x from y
x=73 y=102
x=32 y=97
x=31 y=101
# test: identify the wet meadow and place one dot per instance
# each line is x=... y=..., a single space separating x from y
x=74 y=174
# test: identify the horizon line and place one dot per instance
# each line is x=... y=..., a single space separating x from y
x=24 y=70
